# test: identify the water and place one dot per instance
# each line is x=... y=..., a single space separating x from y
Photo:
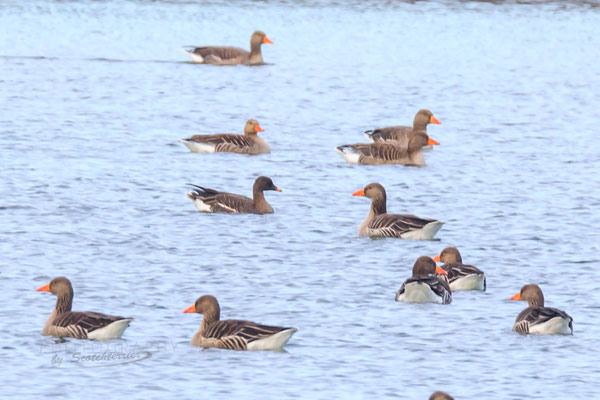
x=96 y=94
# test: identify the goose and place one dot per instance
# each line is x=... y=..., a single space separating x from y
x=424 y=286
x=226 y=55
x=380 y=223
x=388 y=153
x=248 y=143
x=80 y=325
x=213 y=201
x=440 y=396
x=400 y=135
x=460 y=276
x=539 y=319
x=234 y=334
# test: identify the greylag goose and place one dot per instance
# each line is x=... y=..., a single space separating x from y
x=81 y=325
x=460 y=276
x=401 y=134
x=234 y=334
x=388 y=153
x=440 y=396
x=424 y=286
x=213 y=201
x=248 y=143
x=226 y=55
x=380 y=223
x=539 y=319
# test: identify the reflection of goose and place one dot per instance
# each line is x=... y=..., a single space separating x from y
x=248 y=143
x=380 y=223
x=460 y=276
x=81 y=325
x=400 y=135
x=234 y=334
x=209 y=200
x=225 y=55
x=539 y=319
x=424 y=286
x=388 y=153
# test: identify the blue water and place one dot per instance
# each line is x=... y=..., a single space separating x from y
x=95 y=95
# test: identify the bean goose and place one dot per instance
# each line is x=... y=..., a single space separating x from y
x=400 y=135
x=424 y=286
x=248 y=143
x=234 y=334
x=440 y=396
x=388 y=153
x=460 y=276
x=213 y=201
x=539 y=319
x=226 y=55
x=380 y=223
x=81 y=325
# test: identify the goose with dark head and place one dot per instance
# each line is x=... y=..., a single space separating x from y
x=427 y=284
x=213 y=201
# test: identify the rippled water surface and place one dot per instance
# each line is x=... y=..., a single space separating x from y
x=95 y=95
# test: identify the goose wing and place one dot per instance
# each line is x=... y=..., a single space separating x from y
x=398 y=134
x=224 y=142
x=538 y=315
x=379 y=151
x=221 y=52
x=394 y=225
x=247 y=330
x=458 y=270
x=80 y=324
x=221 y=201
x=439 y=287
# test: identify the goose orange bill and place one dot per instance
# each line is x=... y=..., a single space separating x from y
x=516 y=297
x=431 y=142
x=45 y=288
x=360 y=192
x=437 y=258
x=266 y=40
x=257 y=128
x=277 y=190
x=440 y=271
x=190 y=309
x=434 y=120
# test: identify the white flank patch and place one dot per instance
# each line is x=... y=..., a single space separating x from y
x=233 y=210
x=111 y=331
x=416 y=292
x=349 y=155
x=202 y=206
x=468 y=282
x=197 y=147
x=273 y=342
x=425 y=233
x=197 y=58
x=554 y=326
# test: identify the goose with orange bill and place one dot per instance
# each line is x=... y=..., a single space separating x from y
x=381 y=224
x=234 y=334
x=540 y=319
x=227 y=55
